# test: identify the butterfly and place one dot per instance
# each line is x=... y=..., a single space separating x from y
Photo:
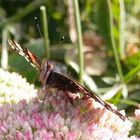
x=49 y=76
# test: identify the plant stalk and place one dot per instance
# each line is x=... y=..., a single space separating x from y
x=45 y=30
x=4 y=53
x=119 y=68
x=122 y=30
x=79 y=41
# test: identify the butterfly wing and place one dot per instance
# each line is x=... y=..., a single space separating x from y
x=62 y=82
x=30 y=57
x=58 y=80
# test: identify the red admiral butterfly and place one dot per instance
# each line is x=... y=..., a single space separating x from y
x=48 y=76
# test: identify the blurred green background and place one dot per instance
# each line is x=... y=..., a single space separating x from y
x=110 y=38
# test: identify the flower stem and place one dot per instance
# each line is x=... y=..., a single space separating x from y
x=45 y=30
x=4 y=53
x=114 y=44
x=80 y=42
x=122 y=29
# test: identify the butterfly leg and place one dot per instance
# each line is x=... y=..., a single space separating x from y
x=42 y=104
x=69 y=96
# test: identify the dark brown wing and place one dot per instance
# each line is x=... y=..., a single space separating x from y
x=64 y=83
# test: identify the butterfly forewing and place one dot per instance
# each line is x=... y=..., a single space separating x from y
x=30 y=57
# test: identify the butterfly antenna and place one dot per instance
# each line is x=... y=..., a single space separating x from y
x=62 y=39
x=38 y=27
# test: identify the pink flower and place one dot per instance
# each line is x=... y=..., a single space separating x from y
x=61 y=117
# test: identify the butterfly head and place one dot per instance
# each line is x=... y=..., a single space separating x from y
x=45 y=70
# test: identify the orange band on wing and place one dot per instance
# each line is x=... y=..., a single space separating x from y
x=32 y=57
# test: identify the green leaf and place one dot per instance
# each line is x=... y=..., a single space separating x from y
x=135 y=130
x=102 y=19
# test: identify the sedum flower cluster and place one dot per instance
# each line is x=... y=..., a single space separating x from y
x=14 y=88
x=62 y=116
